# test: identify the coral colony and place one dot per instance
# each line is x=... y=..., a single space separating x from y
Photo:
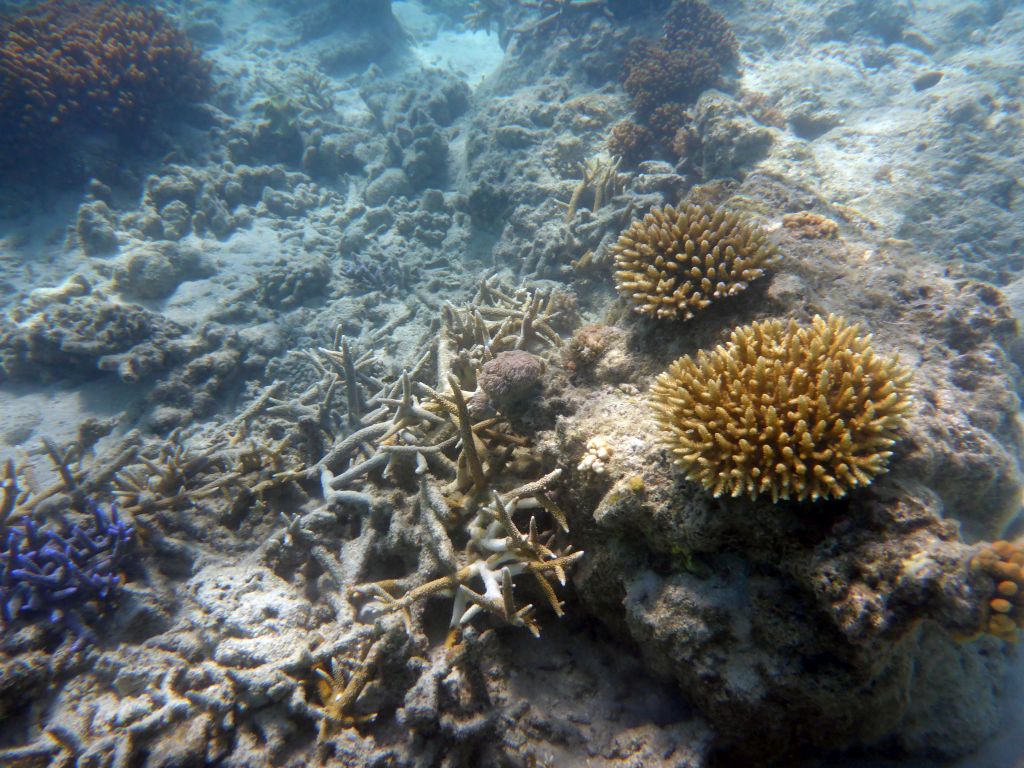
x=789 y=411
x=69 y=576
x=458 y=406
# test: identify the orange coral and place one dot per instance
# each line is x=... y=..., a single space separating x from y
x=808 y=225
x=67 y=65
x=1003 y=562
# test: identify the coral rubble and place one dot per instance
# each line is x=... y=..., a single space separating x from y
x=789 y=411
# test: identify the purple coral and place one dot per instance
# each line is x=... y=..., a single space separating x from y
x=510 y=376
x=62 y=574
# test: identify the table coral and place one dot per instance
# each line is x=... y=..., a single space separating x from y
x=674 y=263
x=69 y=65
x=801 y=412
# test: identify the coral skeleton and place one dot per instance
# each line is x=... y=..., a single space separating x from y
x=557 y=12
x=672 y=264
x=600 y=183
x=483 y=578
x=790 y=411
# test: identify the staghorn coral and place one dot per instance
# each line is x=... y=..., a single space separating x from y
x=1003 y=562
x=672 y=264
x=69 y=576
x=797 y=412
x=600 y=183
x=68 y=66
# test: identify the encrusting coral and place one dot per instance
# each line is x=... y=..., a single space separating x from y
x=674 y=263
x=808 y=225
x=1003 y=561
x=796 y=412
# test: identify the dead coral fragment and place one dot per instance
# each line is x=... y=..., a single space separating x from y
x=339 y=688
x=672 y=264
x=792 y=411
x=1003 y=561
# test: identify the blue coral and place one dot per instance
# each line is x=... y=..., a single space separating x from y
x=65 y=575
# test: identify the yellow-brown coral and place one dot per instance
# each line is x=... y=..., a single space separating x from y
x=674 y=263
x=808 y=225
x=797 y=412
x=1003 y=561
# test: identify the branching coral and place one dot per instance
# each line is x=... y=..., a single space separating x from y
x=482 y=577
x=686 y=60
x=630 y=141
x=674 y=263
x=1003 y=562
x=795 y=412
x=557 y=13
x=69 y=65
x=600 y=183
x=62 y=573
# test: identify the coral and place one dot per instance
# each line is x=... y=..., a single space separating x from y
x=801 y=412
x=630 y=141
x=154 y=270
x=65 y=575
x=657 y=74
x=693 y=24
x=510 y=376
x=672 y=264
x=387 y=274
x=497 y=552
x=808 y=225
x=1003 y=562
x=340 y=686
x=667 y=120
x=688 y=58
x=87 y=335
x=595 y=458
x=557 y=13
x=69 y=65
x=600 y=183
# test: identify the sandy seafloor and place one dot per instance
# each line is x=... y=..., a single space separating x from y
x=441 y=156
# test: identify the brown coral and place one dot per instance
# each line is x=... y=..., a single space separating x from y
x=807 y=225
x=69 y=65
x=688 y=58
x=1003 y=561
x=674 y=263
x=630 y=141
x=797 y=412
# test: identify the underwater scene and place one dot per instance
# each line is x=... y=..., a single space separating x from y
x=511 y=383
